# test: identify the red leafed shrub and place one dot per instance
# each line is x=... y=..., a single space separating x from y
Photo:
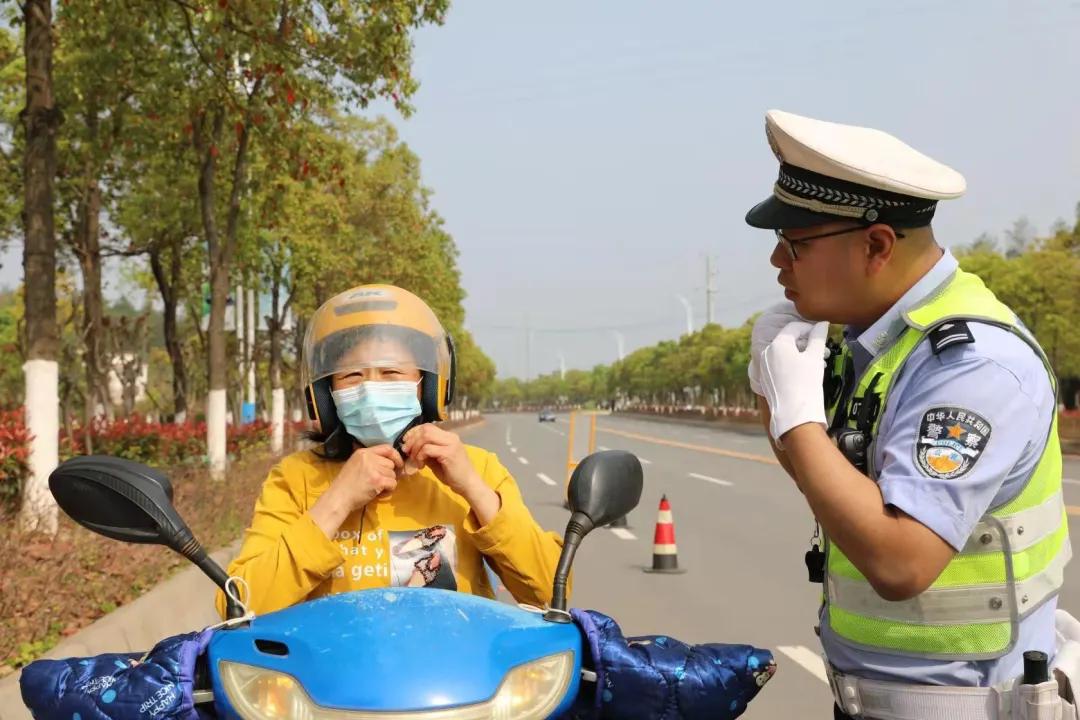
x=14 y=453
x=163 y=445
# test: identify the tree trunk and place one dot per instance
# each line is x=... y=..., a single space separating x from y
x=128 y=344
x=167 y=284
x=251 y=357
x=1069 y=392
x=274 y=327
x=220 y=253
x=207 y=141
x=300 y=409
x=86 y=242
x=88 y=428
x=41 y=120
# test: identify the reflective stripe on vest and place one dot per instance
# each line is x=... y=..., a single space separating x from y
x=1014 y=559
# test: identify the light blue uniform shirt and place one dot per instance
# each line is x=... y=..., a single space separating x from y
x=1000 y=378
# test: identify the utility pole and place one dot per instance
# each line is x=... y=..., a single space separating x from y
x=620 y=341
x=710 y=291
x=528 y=349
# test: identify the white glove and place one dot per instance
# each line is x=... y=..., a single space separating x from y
x=791 y=377
x=766 y=328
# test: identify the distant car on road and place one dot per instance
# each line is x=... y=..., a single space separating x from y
x=547 y=416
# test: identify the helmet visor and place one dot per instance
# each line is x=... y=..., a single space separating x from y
x=383 y=346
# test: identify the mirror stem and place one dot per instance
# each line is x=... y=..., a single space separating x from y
x=215 y=573
x=578 y=527
x=193 y=551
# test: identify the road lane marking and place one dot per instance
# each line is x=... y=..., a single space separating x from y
x=523 y=460
x=808 y=659
x=706 y=478
x=700 y=448
x=545 y=479
x=623 y=534
x=751 y=457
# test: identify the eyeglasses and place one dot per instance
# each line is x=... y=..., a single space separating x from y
x=789 y=243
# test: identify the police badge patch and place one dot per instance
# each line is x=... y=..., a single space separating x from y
x=951 y=440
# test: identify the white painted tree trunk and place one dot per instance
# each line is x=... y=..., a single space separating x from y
x=277 y=420
x=215 y=434
x=249 y=346
x=39 y=511
x=241 y=354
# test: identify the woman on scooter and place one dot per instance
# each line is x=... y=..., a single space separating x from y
x=387 y=498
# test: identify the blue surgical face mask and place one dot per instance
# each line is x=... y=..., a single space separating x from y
x=375 y=413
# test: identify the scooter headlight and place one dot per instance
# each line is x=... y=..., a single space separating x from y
x=528 y=692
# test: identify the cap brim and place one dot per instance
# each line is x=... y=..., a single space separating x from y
x=772 y=214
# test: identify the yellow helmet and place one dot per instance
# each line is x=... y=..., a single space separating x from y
x=376 y=326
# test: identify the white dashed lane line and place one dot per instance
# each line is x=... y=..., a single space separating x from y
x=808 y=659
x=717 y=481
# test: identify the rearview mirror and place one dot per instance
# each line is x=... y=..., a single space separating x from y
x=128 y=501
x=120 y=499
x=605 y=486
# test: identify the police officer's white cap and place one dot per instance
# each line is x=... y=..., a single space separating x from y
x=830 y=171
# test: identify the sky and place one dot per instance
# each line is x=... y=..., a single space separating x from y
x=588 y=156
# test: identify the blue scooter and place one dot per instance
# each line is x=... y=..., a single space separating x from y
x=380 y=654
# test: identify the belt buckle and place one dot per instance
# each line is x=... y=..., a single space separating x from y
x=845 y=690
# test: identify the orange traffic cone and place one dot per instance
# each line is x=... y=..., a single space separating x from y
x=665 y=558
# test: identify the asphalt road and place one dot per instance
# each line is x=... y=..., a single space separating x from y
x=741 y=528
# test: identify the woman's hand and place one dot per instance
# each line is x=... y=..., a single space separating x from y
x=430 y=446
x=367 y=474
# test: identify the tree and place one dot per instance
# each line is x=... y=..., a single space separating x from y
x=1019 y=237
x=475 y=372
x=12 y=89
x=41 y=120
x=156 y=211
x=702 y=367
x=255 y=68
x=1042 y=285
x=11 y=349
x=129 y=347
x=100 y=69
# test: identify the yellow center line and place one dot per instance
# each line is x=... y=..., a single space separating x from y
x=764 y=459
x=688 y=446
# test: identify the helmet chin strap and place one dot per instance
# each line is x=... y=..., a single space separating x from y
x=341 y=435
x=333 y=443
x=418 y=420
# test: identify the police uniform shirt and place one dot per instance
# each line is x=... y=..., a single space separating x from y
x=995 y=384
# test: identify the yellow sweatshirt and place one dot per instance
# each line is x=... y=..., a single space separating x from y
x=423 y=534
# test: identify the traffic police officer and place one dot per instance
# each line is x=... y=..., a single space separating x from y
x=929 y=455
